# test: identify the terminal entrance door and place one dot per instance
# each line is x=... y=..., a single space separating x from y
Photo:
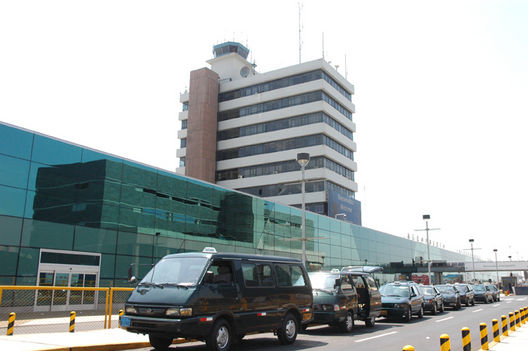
x=67 y=269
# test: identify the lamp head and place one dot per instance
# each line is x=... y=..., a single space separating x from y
x=494 y=250
x=303 y=158
x=425 y=217
x=471 y=240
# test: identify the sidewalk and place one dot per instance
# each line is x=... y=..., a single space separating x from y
x=102 y=339
x=517 y=340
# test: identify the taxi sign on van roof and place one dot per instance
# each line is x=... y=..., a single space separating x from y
x=209 y=250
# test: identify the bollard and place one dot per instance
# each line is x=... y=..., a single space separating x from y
x=445 y=344
x=72 y=321
x=11 y=323
x=523 y=315
x=466 y=339
x=495 y=328
x=121 y=312
x=484 y=336
x=517 y=319
x=504 y=323
x=512 y=322
x=408 y=348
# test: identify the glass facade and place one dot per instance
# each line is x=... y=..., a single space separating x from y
x=59 y=196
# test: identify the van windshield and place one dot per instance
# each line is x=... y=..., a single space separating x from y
x=323 y=281
x=183 y=271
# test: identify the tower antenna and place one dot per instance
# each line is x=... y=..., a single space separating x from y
x=322 y=43
x=300 y=28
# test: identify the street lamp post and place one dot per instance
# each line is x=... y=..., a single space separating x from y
x=303 y=158
x=497 y=267
x=472 y=258
x=426 y=218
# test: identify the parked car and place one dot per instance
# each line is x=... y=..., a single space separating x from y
x=343 y=296
x=483 y=293
x=401 y=300
x=467 y=295
x=219 y=297
x=494 y=292
x=451 y=296
x=433 y=300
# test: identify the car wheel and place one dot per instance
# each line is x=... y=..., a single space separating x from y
x=458 y=305
x=348 y=323
x=473 y=302
x=287 y=332
x=486 y=300
x=442 y=308
x=467 y=302
x=498 y=298
x=220 y=337
x=370 y=322
x=408 y=316
x=421 y=312
x=159 y=342
x=435 y=309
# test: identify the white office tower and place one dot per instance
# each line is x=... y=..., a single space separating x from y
x=243 y=130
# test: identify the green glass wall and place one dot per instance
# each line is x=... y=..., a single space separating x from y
x=56 y=195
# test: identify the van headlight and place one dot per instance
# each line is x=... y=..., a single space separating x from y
x=130 y=310
x=185 y=312
x=172 y=312
x=176 y=312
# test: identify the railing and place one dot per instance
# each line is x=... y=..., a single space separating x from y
x=47 y=308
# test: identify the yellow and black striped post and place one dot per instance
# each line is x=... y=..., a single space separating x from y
x=72 y=321
x=484 y=336
x=11 y=323
x=523 y=315
x=121 y=312
x=512 y=322
x=504 y=324
x=445 y=344
x=408 y=348
x=517 y=319
x=495 y=328
x=466 y=339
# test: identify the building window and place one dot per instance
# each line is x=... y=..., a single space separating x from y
x=182 y=161
x=185 y=106
x=282 y=83
x=285 y=144
x=285 y=123
x=184 y=124
x=183 y=143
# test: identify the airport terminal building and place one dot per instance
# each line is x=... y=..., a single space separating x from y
x=74 y=216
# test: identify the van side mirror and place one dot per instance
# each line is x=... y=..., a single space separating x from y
x=132 y=280
x=208 y=279
x=337 y=283
x=413 y=294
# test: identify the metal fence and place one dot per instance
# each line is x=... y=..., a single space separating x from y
x=44 y=309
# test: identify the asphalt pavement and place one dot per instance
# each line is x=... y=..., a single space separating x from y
x=423 y=334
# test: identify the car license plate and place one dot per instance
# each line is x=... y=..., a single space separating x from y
x=125 y=322
x=383 y=313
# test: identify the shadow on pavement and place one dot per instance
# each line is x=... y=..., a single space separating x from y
x=257 y=344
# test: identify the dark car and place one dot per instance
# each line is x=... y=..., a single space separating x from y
x=434 y=302
x=341 y=297
x=451 y=296
x=495 y=292
x=467 y=295
x=483 y=293
x=401 y=300
x=218 y=298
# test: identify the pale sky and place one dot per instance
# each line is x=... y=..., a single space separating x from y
x=440 y=98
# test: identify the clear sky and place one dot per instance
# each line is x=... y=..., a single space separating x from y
x=441 y=93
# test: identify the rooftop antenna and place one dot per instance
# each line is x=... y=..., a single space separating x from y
x=346 y=71
x=322 y=43
x=300 y=28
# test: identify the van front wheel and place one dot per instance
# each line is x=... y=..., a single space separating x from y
x=220 y=338
x=160 y=343
x=287 y=332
